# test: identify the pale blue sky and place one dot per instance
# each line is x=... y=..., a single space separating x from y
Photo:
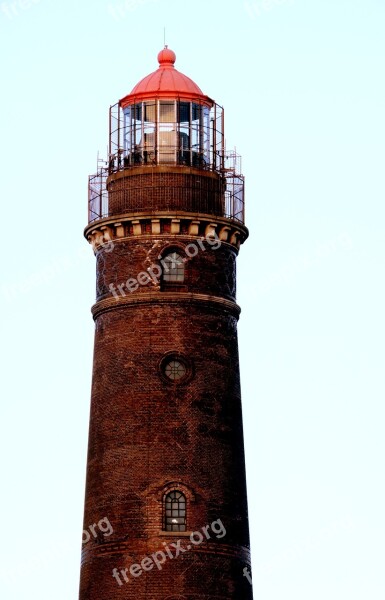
x=302 y=83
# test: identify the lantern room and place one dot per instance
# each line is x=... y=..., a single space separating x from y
x=166 y=119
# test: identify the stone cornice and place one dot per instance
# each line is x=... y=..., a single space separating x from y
x=164 y=224
x=166 y=298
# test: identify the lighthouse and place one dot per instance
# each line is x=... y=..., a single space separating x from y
x=165 y=514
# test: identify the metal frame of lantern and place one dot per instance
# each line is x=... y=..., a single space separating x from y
x=166 y=131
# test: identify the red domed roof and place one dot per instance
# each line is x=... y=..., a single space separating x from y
x=166 y=82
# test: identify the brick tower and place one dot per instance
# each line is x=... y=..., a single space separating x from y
x=165 y=505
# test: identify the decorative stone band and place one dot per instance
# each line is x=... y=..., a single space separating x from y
x=125 y=547
x=167 y=298
x=165 y=224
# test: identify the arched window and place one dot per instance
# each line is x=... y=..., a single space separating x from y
x=173 y=267
x=175 y=511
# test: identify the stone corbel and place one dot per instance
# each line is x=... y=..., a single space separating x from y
x=235 y=240
x=155 y=226
x=210 y=230
x=175 y=226
x=193 y=228
x=224 y=233
x=93 y=239
x=107 y=234
x=119 y=228
x=137 y=227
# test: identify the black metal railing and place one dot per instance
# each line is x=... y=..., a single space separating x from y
x=154 y=191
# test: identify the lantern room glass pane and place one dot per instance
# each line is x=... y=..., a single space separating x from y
x=184 y=156
x=196 y=134
x=184 y=113
x=167 y=138
x=127 y=129
x=137 y=124
x=149 y=133
x=150 y=112
x=206 y=134
x=167 y=112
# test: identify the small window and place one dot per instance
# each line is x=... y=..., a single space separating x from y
x=175 y=511
x=173 y=267
x=175 y=369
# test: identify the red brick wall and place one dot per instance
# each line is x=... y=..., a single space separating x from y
x=166 y=189
x=209 y=272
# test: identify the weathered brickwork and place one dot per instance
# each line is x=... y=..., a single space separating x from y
x=166 y=188
x=145 y=433
x=210 y=271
